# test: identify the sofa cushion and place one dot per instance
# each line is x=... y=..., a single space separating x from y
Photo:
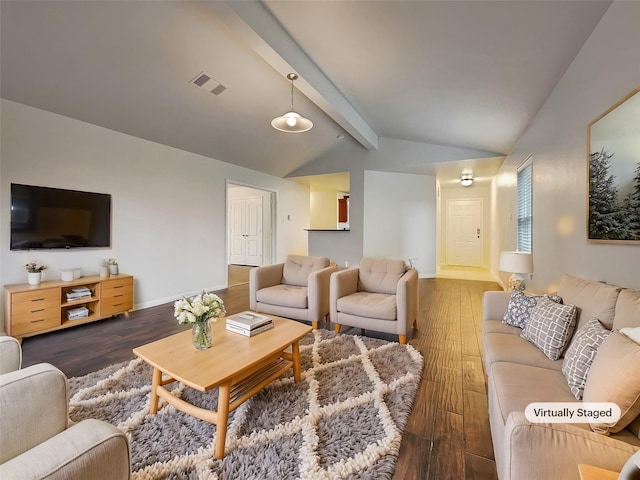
x=520 y=307
x=284 y=295
x=379 y=275
x=593 y=299
x=580 y=355
x=505 y=347
x=372 y=305
x=550 y=327
x=627 y=309
x=297 y=269
x=516 y=386
x=615 y=377
x=498 y=326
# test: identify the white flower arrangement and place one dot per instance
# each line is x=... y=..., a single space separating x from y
x=200 y=308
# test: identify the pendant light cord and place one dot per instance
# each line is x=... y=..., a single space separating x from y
x=292 y=95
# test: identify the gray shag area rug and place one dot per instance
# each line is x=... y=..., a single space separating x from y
x=344 y=420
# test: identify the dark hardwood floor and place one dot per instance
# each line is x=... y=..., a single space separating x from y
x=447 y=435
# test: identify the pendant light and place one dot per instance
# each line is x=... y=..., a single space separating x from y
x=291 y=122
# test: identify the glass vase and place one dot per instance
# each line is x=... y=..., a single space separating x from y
x=202 y=335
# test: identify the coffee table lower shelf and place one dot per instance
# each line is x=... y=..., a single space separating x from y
x=238 y=366
x=230 y=396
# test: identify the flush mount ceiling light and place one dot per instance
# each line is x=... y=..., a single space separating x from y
x=291 y=122
x=466 y=179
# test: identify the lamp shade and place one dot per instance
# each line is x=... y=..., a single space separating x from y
x=516 y=262
x=291 y=122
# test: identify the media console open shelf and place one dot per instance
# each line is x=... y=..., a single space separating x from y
x=34 y=309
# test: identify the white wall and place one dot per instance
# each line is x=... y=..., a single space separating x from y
x=606 y=70
x=400 y=218
x=168 y=206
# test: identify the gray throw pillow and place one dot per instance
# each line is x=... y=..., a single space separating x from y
x=520 y=307
x=550 y=327
x=580 y=355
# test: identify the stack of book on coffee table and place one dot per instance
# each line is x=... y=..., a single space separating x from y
x=249 y=323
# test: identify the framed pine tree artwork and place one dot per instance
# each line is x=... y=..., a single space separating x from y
x=614 y=173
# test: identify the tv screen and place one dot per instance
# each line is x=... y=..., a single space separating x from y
x=45 y=218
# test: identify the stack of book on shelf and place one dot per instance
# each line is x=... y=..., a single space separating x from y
x=78 y=293
x=78 y=312
x=249 y=323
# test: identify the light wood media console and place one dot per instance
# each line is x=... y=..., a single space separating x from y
x=33 y=309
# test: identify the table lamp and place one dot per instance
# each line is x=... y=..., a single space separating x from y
x=519 y=264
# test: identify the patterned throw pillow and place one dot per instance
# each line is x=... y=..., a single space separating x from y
x=550 y=327
x=580 y=355
x=520 y=307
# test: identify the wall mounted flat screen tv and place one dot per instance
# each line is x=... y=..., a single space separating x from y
x=48 y=218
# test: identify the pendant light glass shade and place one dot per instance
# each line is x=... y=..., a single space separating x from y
x=292 y=122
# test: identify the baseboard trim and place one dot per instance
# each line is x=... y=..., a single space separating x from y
x=173 y=298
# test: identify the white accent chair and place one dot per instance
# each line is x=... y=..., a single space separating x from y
x=38 y=439
x=297 y=288
x=380 y=295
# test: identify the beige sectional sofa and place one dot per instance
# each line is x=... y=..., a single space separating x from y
x=519 y=373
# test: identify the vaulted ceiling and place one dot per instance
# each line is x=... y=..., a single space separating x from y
x=465 y=74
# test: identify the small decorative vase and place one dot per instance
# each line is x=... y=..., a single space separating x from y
x=202 y=335
x=34 y=278
x=113 y=269
x=104 y=271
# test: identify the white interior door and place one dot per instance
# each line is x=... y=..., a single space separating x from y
x=245 y=246
x=464 y=232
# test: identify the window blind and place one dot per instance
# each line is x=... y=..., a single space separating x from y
x=525 y=210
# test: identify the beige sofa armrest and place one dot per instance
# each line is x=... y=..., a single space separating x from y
x=33 y=407
x=554 y=450
x=91 y=449
x=318 y=292
x=10 y=354
x=407 y=300
x=494 y=305
x=341 y=283
x=263 y=277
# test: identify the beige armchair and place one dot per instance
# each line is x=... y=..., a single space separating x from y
x=297 y=288
x=380 y=295
x=37 y=440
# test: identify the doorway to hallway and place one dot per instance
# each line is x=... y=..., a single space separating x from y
x=250 y=230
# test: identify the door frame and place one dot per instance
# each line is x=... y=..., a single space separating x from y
x=273 y=196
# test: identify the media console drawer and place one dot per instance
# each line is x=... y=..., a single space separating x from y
x=30 y=310
x=117 y=304
x=35 y=322
x=117 y=286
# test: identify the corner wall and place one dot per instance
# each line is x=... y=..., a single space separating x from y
x=605 y=71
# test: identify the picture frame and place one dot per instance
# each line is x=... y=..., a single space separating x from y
x=613 y=162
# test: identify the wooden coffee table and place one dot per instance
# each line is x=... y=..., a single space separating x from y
x=239 y=366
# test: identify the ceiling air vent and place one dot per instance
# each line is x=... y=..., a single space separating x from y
x=208 y=83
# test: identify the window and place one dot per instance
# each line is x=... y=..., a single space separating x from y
x=525 y=214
